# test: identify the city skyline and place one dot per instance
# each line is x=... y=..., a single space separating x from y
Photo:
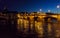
x=30 y=5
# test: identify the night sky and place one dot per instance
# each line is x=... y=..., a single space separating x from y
x=30 y=5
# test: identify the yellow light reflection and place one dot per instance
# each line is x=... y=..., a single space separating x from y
x=24 y=23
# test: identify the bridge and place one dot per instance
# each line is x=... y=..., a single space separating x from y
x=38 y=21
x=41 y=16
x=31 y=16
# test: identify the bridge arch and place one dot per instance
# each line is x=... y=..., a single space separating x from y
x=49 y=21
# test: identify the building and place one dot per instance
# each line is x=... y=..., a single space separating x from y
x=8 y=20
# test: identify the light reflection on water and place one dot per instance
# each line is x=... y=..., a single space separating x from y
x=23 y=25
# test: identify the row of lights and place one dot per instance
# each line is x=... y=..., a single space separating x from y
x=50 y=10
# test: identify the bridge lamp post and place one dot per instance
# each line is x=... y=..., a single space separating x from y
x=58 y=8
x=49 y=11
x=40 y=10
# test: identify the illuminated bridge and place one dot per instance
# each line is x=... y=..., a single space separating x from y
x=43 y=24
x=33 y=25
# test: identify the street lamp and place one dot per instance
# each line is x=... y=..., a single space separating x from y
x=49 y=10
x=58 y=8
x=40 y=10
